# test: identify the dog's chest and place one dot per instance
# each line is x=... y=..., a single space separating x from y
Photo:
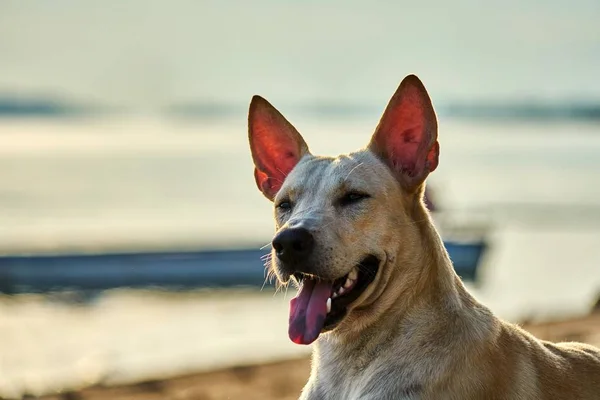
x=373 y=382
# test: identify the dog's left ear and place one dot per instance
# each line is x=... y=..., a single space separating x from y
x=275 y=144
x=406 y=137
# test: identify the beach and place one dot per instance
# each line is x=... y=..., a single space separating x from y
x=284 y=380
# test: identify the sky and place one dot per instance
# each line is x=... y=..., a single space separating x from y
x=150 y=53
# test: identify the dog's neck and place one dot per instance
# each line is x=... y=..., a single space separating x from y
x=420 y=318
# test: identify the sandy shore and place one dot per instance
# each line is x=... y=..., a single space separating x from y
x=284 y=380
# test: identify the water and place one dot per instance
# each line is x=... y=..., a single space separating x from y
x=141 y=181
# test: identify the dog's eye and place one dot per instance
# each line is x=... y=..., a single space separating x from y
x=352 y=197
x=285 y=205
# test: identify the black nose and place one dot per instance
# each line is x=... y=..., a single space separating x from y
x=294 y=244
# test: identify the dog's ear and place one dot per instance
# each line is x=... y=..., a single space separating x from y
x=406 y=137
x=275 y=144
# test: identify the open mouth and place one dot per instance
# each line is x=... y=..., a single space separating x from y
x=321 y=304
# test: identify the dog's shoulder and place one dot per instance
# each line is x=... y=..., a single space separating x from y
x=574 y=368
x=550 y=370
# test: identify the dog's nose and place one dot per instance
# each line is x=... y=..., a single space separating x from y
x=294 y=244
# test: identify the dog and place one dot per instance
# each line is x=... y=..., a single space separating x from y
x=377 y=292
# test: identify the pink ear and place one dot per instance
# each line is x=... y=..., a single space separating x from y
x=275 y=144
x=406 y=137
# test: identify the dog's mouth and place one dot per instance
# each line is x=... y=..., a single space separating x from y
x=322 y=304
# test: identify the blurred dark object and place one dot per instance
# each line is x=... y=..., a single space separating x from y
x=596 y=306
x=173 y=270
x=44 y=107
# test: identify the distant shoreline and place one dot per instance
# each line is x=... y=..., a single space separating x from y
x=516 y=109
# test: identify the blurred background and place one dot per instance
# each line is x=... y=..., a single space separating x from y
x=130 y=226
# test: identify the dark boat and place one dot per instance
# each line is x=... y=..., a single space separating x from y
x=170 y=270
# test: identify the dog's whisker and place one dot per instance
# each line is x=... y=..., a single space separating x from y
x=352 y=170
x=367 y=271
x=269 y=272
x=285 y=174
x=265 y=281
x=279 y=286
x=276 y=179
x=286 y=290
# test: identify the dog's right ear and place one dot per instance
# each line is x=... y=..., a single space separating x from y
x=275 y=144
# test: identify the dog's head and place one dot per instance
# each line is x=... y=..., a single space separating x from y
x=343 y=222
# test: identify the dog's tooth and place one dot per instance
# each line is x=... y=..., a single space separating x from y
x=334 y=295
x=348 y=283
x=340 y=291
x=352 y=275
x=329 y=304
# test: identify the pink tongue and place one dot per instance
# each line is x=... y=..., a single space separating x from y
x=308 y=311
